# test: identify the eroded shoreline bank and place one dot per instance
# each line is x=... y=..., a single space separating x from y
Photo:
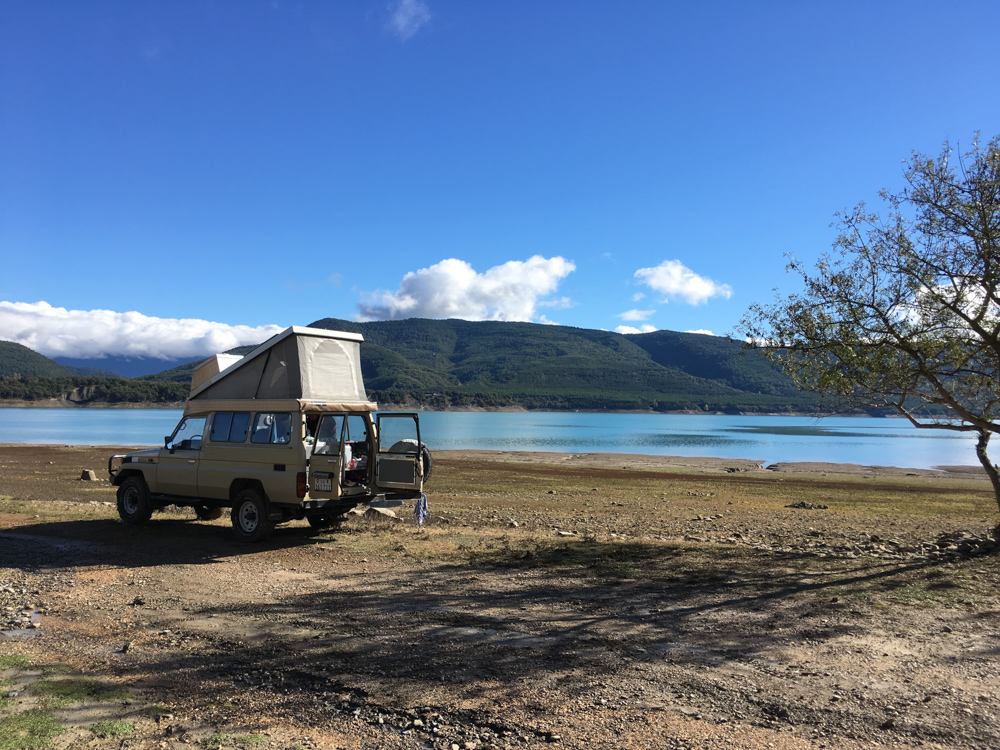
x=639 y=461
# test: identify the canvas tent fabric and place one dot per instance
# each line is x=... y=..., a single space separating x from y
x=212 y=367
x=298 y=368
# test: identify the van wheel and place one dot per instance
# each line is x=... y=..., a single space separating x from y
x=134 y=505
x=250 y=521
x=425 y=455
x=207 y=512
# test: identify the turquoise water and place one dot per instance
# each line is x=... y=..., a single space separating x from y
x=858 y=440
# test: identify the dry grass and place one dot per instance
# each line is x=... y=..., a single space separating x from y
x=616 y=583
x=588 y=521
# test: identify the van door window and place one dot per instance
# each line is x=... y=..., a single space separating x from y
x=269 y=427
x=328 y=435
x=355 y=449
x=187 y=436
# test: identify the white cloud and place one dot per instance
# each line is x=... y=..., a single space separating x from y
x=58 y=332
x=674 y=280
x=562 y=303
x=646 y=328
x=638 y=297
x=407 y=16
x=634 y=315
x=453 y=289
x=701 y=330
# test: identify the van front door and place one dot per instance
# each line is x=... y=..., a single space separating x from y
x=398 y=463
x=177 y=465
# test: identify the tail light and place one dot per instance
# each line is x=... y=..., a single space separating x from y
x=301 y=488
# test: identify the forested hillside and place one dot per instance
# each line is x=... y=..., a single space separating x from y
x=16 y=359
x=715 y=358
x=466 y=364
x=28 y=376
x=493 y=364
x=82 y=389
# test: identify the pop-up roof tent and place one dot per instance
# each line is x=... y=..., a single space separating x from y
x=300 y=368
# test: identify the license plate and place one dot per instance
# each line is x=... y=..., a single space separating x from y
x=323 y=484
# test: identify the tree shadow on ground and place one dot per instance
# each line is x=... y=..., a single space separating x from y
x=473 y=638
x=490 y=626
x=469 y=630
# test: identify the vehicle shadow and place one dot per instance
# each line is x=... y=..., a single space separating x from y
x=171 y=540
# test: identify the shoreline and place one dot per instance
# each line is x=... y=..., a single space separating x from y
x=747 y=467
x=61 y=403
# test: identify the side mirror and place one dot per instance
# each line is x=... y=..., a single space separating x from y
x=167 y=444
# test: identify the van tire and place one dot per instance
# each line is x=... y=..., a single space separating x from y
x=425 y=455
x=134 y=505
x=250 y=521
x=207 y=512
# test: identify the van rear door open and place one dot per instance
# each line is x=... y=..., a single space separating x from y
x=325 y=463
x=398 y=461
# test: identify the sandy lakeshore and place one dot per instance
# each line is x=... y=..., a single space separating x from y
x=550 y=600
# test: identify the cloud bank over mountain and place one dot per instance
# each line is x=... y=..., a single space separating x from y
x=58 y=332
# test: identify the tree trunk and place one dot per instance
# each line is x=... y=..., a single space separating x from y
x=991 y=469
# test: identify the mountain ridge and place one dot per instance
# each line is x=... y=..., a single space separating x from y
x=454 y=363
x=439 y=364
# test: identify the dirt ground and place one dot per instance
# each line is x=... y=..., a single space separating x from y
x=550 y=600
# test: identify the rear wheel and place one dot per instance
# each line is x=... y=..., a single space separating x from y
x=134 y=505
x=250 y=521
x=207 y=512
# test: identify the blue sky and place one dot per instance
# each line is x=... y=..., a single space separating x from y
x=179 y=177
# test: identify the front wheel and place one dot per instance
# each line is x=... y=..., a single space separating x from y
x=134 y=505
x=250 y=521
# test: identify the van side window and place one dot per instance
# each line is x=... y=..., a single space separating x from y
x=241 y=424
x=230 y=427
x=269 y=427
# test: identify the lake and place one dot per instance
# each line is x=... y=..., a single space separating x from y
x=858 y=440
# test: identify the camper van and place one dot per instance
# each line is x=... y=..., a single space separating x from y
x=286 y=432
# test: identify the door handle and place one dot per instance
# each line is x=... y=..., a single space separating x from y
x=190 y=460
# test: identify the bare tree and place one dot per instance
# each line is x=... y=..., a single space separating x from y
x=904 y=313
